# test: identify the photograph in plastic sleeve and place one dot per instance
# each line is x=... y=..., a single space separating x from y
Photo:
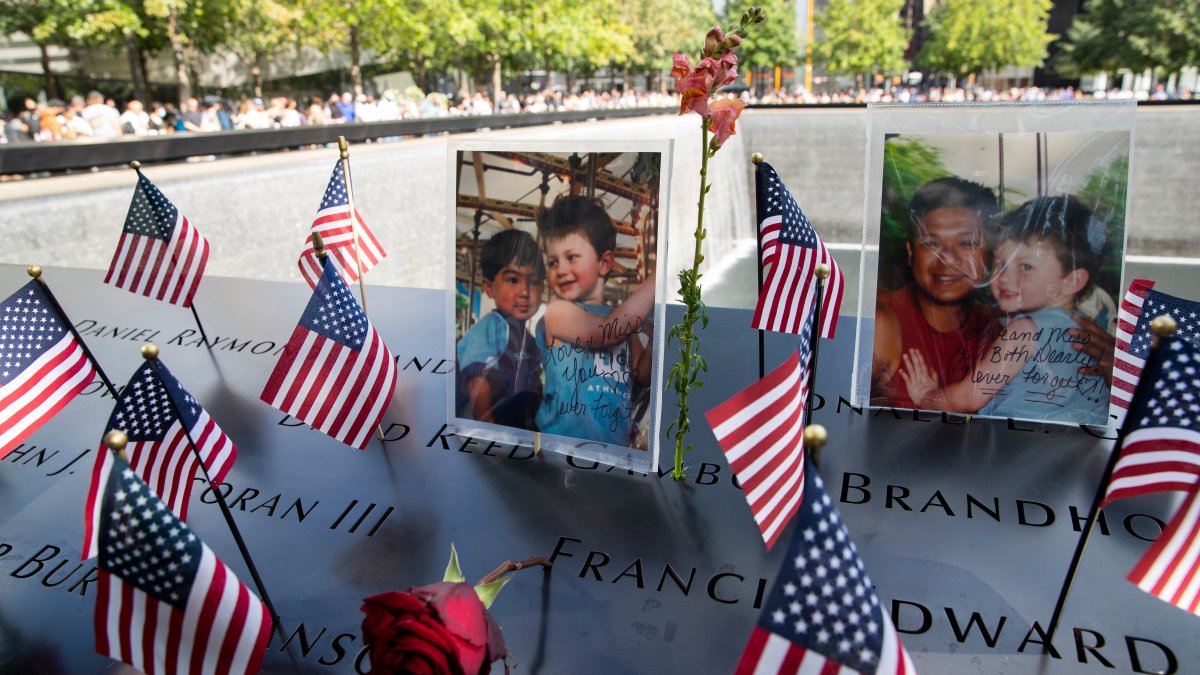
x=555 y=288
x=1000 y=257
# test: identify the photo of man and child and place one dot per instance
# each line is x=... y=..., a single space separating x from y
x=999 y=274
x=556 y=258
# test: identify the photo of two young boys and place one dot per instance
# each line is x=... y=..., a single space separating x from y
x=554 y=343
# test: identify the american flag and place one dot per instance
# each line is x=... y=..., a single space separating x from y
x=1168 y=568
x=1139 y=307
x=1160 y=451
x=160 y=254
x=822 y=615
x=158 y=447
x=349 y=245
x=335 y=373
x=761 y=431
x=1160 y=448
x=793 y=249
x=43 y=367
x=164 y=602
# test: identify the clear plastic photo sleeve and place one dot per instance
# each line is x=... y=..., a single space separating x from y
x=993 y=258
x=557 y=303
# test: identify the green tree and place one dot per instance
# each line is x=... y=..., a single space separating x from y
x=500 y=34
x=862 y=37
x=376 y=26
x=443 y=31
x=114 y=25
x=774 y=42
x=263 y=27
x=1137 y=34
x=38 y=20
x=658 y=29
x=972 y=36
x=578 y=36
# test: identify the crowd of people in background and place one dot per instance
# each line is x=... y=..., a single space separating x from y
x=98 y=117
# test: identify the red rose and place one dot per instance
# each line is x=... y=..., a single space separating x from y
x=434 y=629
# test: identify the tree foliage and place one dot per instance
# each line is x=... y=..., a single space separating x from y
x=970 y=36
x=774 y=41
x=862 y=37
x=659 y=28
x=1136 y=34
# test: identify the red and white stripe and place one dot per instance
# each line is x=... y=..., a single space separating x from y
x=95 y=503
x=1169 y=569
x=787 y=293
x=168 y=466
x=45 y=386
x=352 y=247
x=1127 y=368
x=223 y=628
x=331 y=387
x=789 y=289
x=168 y=270
x=761 y=431
x=767 y=654
x=1154 y=459
x=768 y=239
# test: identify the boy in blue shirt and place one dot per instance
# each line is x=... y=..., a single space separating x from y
x=499 y=362
x=1047 y=255
x=593 y=354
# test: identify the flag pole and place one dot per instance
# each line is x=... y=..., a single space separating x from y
x=822 y=272
x=137 y=166
x=318 y=243
x=757 y=158
x=1163 y=327
x=150 y=353
x=35 y=271
x=345 y=162
x=819 y=436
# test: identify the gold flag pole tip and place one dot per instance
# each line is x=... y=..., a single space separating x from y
x=34 y=271
x=318 y=243
x=135 y=165
x=822 y=271
x=815 y=436
x=149 y=351
x=757 y=158
x=1163 y=326
x=116 y=440
x=343 y=147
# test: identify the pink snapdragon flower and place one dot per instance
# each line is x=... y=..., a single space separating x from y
x=724 y=116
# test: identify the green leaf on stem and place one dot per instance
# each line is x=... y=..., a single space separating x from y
x=487 y=592
x=453 y=572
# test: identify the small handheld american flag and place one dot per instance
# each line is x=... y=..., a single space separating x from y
x=761 y=431
x=822 y=615
x=347 y=237
x=1139 y=307
x=165 y=603
x=792 y=249
x=1160 y=451
x=158 y=448
x=160 y=254
x=43 y=369
x=335 y=373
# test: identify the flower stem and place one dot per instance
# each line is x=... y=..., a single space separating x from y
x=689 y=342
x=510 y=566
